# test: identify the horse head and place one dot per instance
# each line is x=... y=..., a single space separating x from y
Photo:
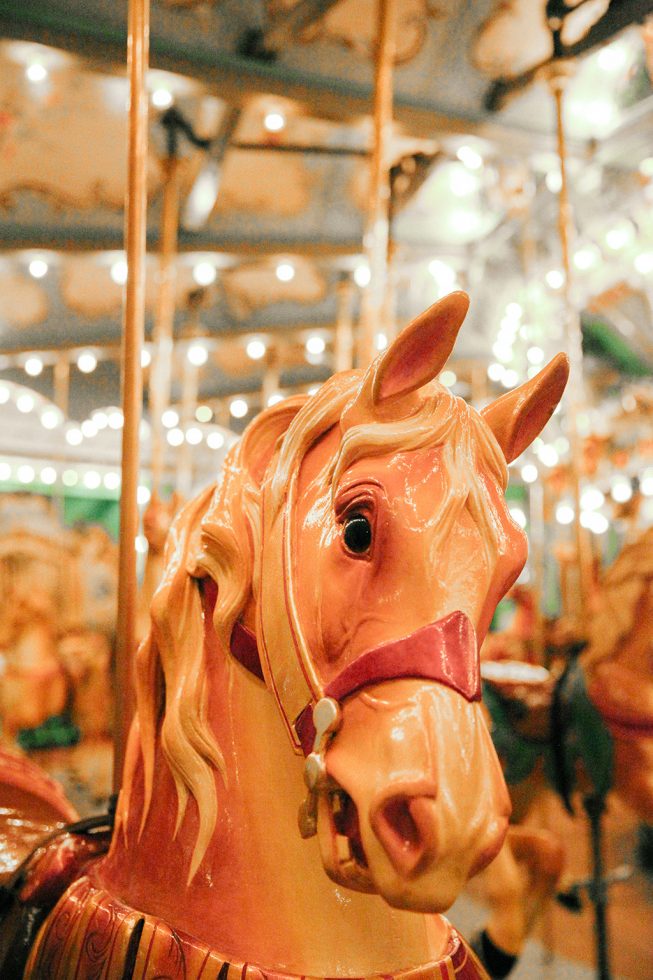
x=335 y=587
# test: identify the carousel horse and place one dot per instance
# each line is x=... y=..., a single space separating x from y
x=33 y=684
x=313 y=658
x=585 y=726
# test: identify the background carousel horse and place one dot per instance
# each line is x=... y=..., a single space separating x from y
x=324 y=600
x=587 y=726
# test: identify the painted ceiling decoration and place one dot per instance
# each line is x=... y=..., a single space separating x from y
x=352 y=23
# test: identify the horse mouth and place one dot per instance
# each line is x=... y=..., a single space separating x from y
x=347 y=862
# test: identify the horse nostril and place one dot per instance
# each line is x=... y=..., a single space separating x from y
x=405 y=826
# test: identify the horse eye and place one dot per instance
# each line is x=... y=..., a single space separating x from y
x=358 y=533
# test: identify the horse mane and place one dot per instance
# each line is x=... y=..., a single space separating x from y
x=622 y=590
x=218 y=535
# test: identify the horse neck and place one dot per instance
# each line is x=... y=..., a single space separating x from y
x=261 y=894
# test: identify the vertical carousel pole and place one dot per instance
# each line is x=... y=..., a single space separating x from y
x=161 y=373
x=132 y=342
x=377 y=230
x=344 y=333
x=558 y=77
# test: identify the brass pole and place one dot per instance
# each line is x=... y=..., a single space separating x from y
x=558 y=77
x=62 y=383
x=164 y=317
x=377 y=230
x=189 y=388
x=344 y=334
x=132 y=395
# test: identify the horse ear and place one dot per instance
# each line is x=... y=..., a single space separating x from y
x=520 y=415
x=260 y=437
x=421 y=350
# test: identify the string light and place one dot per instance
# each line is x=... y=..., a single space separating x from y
x=591 y=498
x=495 y=371
x=48 y=475
x=91 y=480
x=146 y=358
x=362 y=275
x=380 y=341
x=564 y=514
x=470 y=157
x=5 y=472
x=194 y=436
x=111 y=480
x=175 y=437
x=25 y=403
x=38 y=268
x=529 y=473
x=36 y=72
x=448 y=378
x=275 y=398
x=621 y=489
x=33 y=366
x=87 y=362
x=25 y=474
x=162 y=98
x=518 y=516
x=118 y=272
x=74 y=436
x=170 y=418
x=203 y=413
x=197 y=354
x=140 y=544
x=204 y=273
x=115 y=418
x=5 y=394
x=143 y=495
x=274 y=121
x=285 y=272
x=256 y=349
x=239 y=408
x=100 y=419
x=554 y=278
x=315 y=345
x=89 y=428
x=70 y=478
x=215 y=440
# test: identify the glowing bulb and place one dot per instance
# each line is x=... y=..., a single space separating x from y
x=239 y=408
x=585 y=258
x=74 y=436
x=5 y=472
x=140 y=544
x=25 y=403
x=197 y=354
x=554 y=278
x=591 y=498
x=48 y=475
x=162 y=98
x=4 y=394
x=612 y=57
x=362 y=275
x=194 y=436
x=529 y=473
x=548 y=455
x=621 y=489
x=274 y=399
x=33 y=366
x=87 y=362
x=111 y=480
x=380 y=341
x=91 y=479
x=518 y=516
x=285 y=272
x=89 y=428
x=553 y=181
x=215 y=440
x=448 y=378
x=644 y=263
x=203 y=413
x=100 y=419
x=564 y=514
x=38 y=268
x=495 y=371
x=146 y=358
x=204 y=273
x=256 y=349
x=119 y=272
x=470 y=157
x=115 y=418
x=36 y=72
x=170 y=418
x=619 y=237
x=274 y=121
x=175 y=437
x=69 y=478
x=444 y=275
x=315 y=345
x=535 y=355
x=514 y=311
x=597 y=523
x=313 y=390
x=25 y=474
x=143 y=495
x=646 y=167
x=510 y=378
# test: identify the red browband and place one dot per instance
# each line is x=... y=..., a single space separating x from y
x=445 y=651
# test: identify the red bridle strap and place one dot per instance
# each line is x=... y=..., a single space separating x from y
x=445 y=651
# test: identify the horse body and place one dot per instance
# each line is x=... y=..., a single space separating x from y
x=325 y=600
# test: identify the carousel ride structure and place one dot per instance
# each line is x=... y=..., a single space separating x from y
x=390 y=490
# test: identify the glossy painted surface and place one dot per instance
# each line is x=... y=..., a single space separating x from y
x=410 y=797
